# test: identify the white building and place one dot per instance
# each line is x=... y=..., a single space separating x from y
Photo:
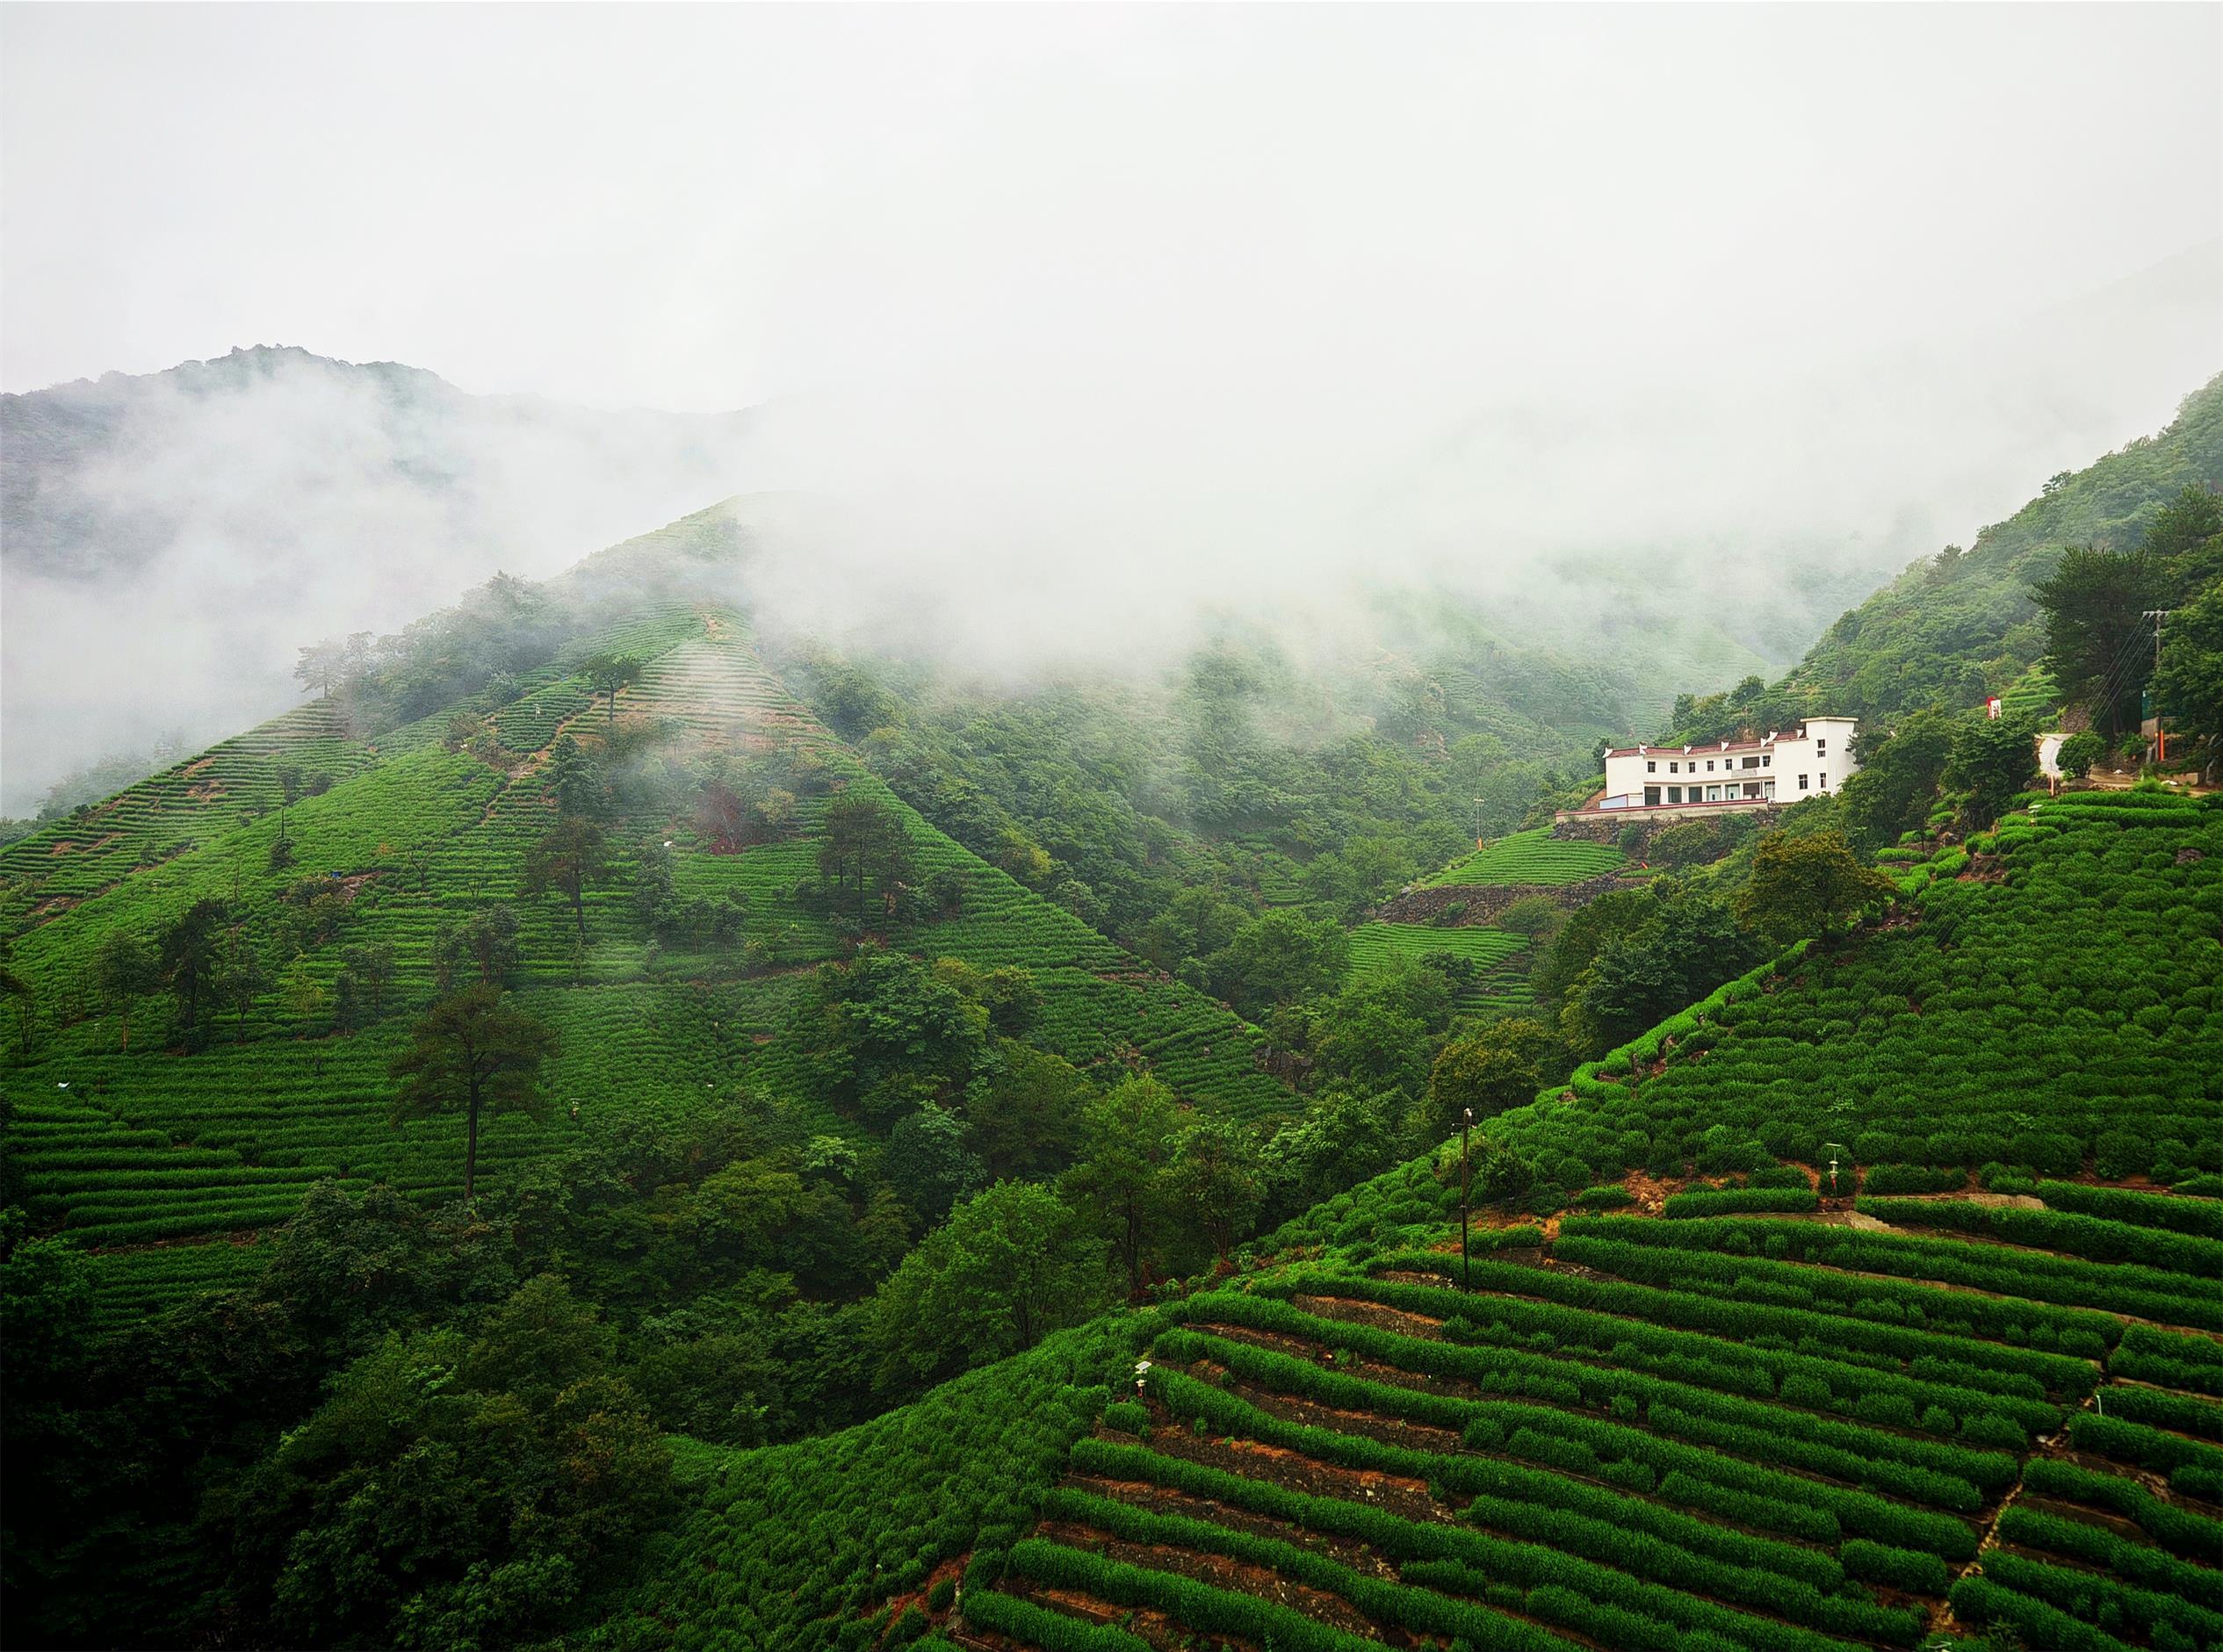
x=1810 y=762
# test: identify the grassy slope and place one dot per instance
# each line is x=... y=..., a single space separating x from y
x=1520 y=858
x=1758 y=1432
x=145 y=1147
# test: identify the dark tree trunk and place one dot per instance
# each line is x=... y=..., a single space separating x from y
x=471 y=1144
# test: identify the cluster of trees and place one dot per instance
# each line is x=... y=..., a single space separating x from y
x=1243 y=776
x=498 y=632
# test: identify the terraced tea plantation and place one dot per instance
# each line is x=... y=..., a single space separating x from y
x=1641 y=1433
x=1747 y=1407
x=1503 y=982
x=145 y=1154
x=1534 y=857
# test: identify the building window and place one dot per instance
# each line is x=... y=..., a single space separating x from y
x=1651 y=768
x=1712 y=793
x=1675 y=768
x=1820 y=748
x=1767 y=759
x=1801 y=782
x=1651 y=796
x=1674 y=793
x=1709 y=765
x=1751 y=762
x=1825 y=779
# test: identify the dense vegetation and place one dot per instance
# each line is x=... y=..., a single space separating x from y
x=1966 y=624
x=564 y=1139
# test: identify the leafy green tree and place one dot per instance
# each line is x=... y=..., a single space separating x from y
x=1993 y=759
x=1891 y=791
x=454 y=1493
x=1217 y=1178
x=2078 y=753
x=888 y=1033
x=1685 y=943
x=476 y=1052
x=2186 y=538
x=1128 y=1140
x=1498 y=1066
x=575 y=780
x=1010 y=1266
x=1582 y=937
x=125 y=968
x=1023 y=1112
x=1195 y=923
x=367 y=971
x=1277 y=959
x=656 y=884
x=571 y=859
x=2094 y=606
x=306 y=997
x=865 y=845
x=323 y=667
x=1374 y=1034
x=1802 y=885
x=2189 y=683
x=242 y=978
x=1342 y=1139
x=608 y=674
x=929 y=1164
x=481 y=948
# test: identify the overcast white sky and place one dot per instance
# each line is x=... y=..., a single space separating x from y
x=705 y=208
x=1094 y=316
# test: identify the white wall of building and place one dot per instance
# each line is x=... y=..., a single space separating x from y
x=1811 y=761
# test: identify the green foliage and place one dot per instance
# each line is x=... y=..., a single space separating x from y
x=1502 y=1065
x=473 y=1052
x=2078 y=753
x=1277 y=959
x=1011 y=1264
x=1892 y=790
x=2098 y=643
x=451 y=1493
x=1802 y=886
x=1992 y=759
x=2188 y=685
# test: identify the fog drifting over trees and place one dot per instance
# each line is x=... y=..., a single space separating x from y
x=1077 y=319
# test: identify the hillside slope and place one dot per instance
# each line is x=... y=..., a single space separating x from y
x=169 y=538
x=1762 y=1411
x=1958 y=627
x=134 y=1148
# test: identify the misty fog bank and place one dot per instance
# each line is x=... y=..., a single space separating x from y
x=1076 y=322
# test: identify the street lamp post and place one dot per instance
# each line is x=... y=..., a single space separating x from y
x=1466 y=1257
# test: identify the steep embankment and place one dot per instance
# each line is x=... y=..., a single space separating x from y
x=1761 y=1413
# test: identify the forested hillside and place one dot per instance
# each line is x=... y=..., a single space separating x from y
x=1900 y=1321
x=556 y=931
x=1966 y=624
x=601 y=1127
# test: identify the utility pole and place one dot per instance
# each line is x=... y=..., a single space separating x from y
x=1466 y=1257
x=2160 y=734
x=1477 y=823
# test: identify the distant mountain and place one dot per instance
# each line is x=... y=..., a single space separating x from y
x=103 y=475
x=169 y=538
